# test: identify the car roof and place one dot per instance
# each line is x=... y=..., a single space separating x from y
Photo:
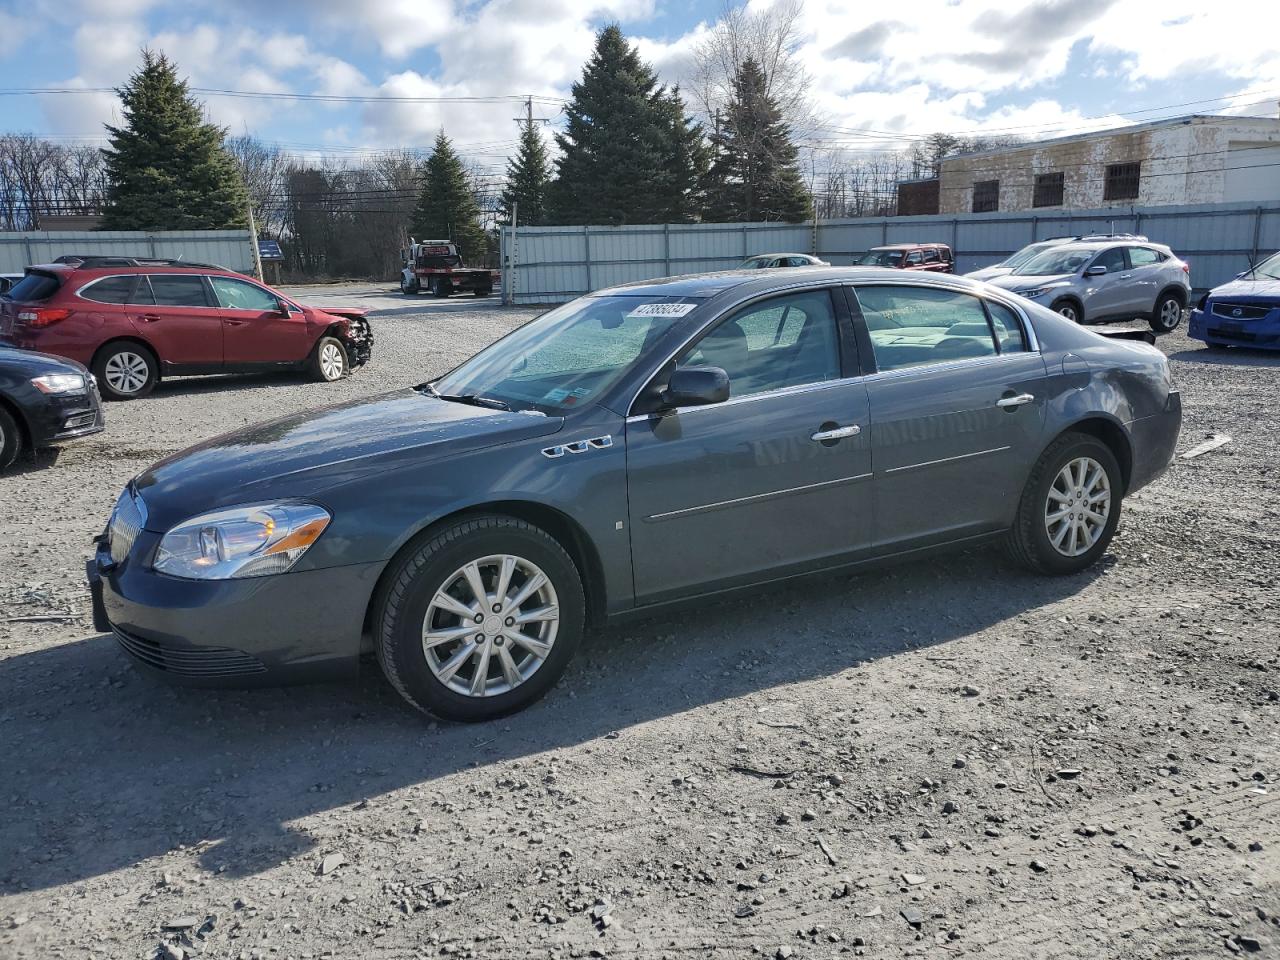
x=758 y=256
x=116 y=269
x=706 y=285
x=910 y=246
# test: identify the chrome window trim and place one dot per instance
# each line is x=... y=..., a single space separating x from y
x=769 y=495
x=794 y=390
x=959 y=364
x=204 y=282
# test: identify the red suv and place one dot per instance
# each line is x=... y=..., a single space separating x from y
x=933 y=257
x=132 y=321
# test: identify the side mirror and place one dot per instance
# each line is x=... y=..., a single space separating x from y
x=696 y=387
x=1096 y=270
x=283 y=307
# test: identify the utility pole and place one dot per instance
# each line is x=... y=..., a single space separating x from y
x=253 y=242
x=509 y=268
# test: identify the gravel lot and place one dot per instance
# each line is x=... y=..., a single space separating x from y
x=949 y=758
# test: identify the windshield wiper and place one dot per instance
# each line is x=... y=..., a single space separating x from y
x=473 y=399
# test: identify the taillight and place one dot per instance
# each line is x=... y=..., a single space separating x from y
x=1186 y=268
x=41 y=316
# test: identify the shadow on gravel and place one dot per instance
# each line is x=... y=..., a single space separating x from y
x=104 y=768
x=1230 y=357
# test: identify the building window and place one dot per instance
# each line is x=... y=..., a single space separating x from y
x=1048 y=190
x=986 y=196
x=1122 y=181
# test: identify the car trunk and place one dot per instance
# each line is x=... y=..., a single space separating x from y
x=34 y=288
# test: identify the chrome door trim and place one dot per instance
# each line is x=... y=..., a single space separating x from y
x=839 y=433
x=732 y=401
x=685 y=511
x=932 y=463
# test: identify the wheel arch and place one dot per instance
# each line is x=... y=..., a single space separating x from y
x=1112 y=434
x=20 y=418
x=560 y=526
x=1176 y=289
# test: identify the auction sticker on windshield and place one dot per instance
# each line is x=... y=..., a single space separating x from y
x=663 y=309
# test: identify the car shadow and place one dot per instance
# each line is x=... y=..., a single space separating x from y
x=1230 y=357
x=106 y=768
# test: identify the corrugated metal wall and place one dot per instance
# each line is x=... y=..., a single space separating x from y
x=228 y=248
x=554 y=264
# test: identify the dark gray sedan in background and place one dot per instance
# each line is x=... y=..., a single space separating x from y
x=642 y=446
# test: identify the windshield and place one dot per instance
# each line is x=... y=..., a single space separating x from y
x=1268 y=269
x=1026 y=254
x=566 y=358
x=1053 y=261
x=881 y=258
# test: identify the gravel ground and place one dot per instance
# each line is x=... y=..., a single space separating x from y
x=948 y=758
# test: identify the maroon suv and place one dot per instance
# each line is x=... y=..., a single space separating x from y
x=132 y=321
x=930 y=257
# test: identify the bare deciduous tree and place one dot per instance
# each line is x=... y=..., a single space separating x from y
x=39 y=179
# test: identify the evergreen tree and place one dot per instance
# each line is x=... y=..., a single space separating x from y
x=628 y=153
x=754 y=175
x=447 y=207
x=528 y=180
x=678 y=192
x=167 y=169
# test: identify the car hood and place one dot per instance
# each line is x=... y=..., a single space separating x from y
x=307 y=453
x=15 y=358
x=1251 y=289
x=989 y=273
x=1017 y=283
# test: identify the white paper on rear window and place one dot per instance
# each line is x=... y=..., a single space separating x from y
x=662 y=309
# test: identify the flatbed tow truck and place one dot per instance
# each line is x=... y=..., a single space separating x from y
x=435 y=266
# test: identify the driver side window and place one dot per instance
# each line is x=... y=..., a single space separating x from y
x=784 y=342
x=241 y=295
x=1112 y=259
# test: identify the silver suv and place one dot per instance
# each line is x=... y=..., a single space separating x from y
x=1101 y=281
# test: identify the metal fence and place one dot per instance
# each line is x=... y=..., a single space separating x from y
x=554 y=264
x=229 y=248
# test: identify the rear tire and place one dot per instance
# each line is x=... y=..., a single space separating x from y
x=329 y=360
x=1167 y=315
x=10 y=440
x=1052 y=501
x=482 y=291
x=427 y=595
x=441 y=288
x=409 y=287
x=1068 y=308
x=126 y=370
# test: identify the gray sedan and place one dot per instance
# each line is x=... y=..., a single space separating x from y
x=638 y=448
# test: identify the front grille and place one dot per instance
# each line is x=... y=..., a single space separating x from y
x=127 y=521
x=196 y=662
x=1242 y=311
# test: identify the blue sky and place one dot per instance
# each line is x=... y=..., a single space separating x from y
x=878 y=75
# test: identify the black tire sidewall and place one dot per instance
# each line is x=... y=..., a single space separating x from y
x=100 y=370
x=400 y=621
x=1156 y=323
x=10 y=439
x=1068 y=302
x=1052 y=461
x=317 y=371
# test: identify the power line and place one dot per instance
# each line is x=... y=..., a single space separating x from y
x=313 y=97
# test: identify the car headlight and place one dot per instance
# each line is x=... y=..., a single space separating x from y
x=249 y=541
x=59 y=383
x=1035 y=292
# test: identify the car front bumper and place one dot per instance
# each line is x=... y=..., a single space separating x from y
x=65 y=416
x=295 y=627
x=1262 y=332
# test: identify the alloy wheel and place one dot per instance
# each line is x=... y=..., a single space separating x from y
x=331 y=361
x=1078 y=506
x=127 y=372
x=1068 y=311
x=1170 y=314
x=490 y=626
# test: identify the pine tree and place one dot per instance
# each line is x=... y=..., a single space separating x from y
x=528 y=180
x=167 y=169
x=627 y=150
x=678 y=194
x=447 y=207
x=754 y=175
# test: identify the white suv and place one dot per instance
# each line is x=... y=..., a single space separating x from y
x=1103 y=281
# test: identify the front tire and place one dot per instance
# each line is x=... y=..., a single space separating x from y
x=328 y=360
x=480 y=620
x=1068 y=308
x=10 y=440
x=126 y=371
x=1070 y=507
x=1167 y=315
x=408 y=287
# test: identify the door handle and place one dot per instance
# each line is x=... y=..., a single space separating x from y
x=837 y=434
x=234 y=323
x=149 y=318
x=1008 y=403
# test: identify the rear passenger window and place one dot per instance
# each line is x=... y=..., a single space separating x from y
x=1007 y=328
x=910 y=326
x=109 y=290
x=931 y=255
x=176 y=290
x=1143 y=256
x=913 y=258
